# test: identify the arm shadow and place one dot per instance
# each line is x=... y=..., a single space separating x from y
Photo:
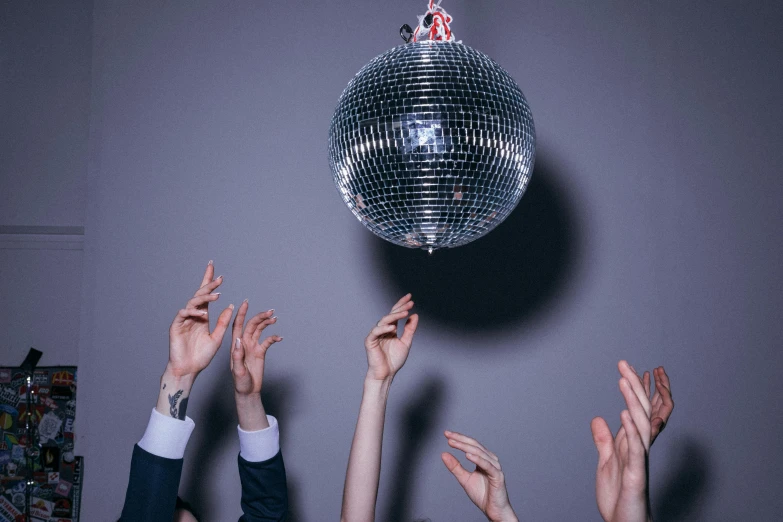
x=217 y=432
x=417 y=428
x=687 y=486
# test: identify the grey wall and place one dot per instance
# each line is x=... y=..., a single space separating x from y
x=651 y=231
x=45 y=78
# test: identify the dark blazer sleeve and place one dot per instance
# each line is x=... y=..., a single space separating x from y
x=264 y=490
x=152 y=488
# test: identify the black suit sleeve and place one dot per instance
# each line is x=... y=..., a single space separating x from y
x=152 y=488
x=264 y=490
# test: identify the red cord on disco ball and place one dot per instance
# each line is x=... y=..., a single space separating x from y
x=432 y=143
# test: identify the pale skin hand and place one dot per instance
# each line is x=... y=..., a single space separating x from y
x=191 y=345
x=621 y=488
x=486 y=485
x=386 y=354
x=247 y=366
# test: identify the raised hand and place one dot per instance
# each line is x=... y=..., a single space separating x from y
x=247 y=354
x=248 y=357
x=191 y=345
x=662 y=403
x=486 y=485
x=386 y=353
x=621 y=478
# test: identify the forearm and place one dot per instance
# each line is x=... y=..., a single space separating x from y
x=364 y=462
x=173 y=394
x=250 y=412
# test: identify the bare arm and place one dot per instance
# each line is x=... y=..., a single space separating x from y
x=386 y=354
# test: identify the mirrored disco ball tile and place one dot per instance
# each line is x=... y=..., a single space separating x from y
x=432 y=145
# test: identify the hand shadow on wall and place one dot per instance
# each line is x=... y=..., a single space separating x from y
x=219 y=430
x=686 y=487
x=510 y=276
x=419 y=420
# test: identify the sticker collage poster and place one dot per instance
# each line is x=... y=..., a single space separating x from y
x=57 y=472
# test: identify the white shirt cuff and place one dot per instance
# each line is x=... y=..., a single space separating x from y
x=165 y=436
x=261 y=445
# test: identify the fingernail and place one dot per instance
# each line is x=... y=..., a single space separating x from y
x=281 y=338
x=245 y=301
x=204 y=312
x=210 y=262
x=275 y=317
x=270 y=311
x=219 y=277
x=215 y=293
x=237 y=343
x=231 y=306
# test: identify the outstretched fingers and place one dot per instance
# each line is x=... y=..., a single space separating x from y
x=239 y=320
x=468 y=440
x=663 y=405
x=222 y=324
x=474 y=450
x=209 y=286
x=268 y=342
x=393 y=317
x=378 y=332
x=636 y=384
x=640 y=417
x=664 y=379
x=405 y=301
x=199 y=301
x=209 y=273
x=486 y=465
x=260 y=326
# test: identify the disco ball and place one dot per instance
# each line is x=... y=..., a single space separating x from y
x=432 y=145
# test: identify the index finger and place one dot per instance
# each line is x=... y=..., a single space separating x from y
x=209 y=273
x=468 y=440
x=404 y=299
x=239 y=320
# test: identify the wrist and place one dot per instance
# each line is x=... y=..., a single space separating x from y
x=377 y=388
x=173 y=394
x=508 y=515
x=178 y=378
x=371 y=380
x=250 y=412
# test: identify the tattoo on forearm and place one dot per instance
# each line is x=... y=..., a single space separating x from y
x=178 y=412
x=164 y=385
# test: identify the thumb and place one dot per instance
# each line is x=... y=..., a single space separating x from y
x=602 y=437
x=461 y=474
